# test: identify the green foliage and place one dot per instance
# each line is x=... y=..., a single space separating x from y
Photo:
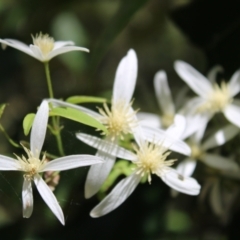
x=27 y=123
x=85 y=99
x=78 y=116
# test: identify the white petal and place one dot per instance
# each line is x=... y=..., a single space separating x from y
x=106 y=146
x=212 y=75
x=39 y=129
x=59 y=103
x=195 y=80
x=187 y=167
x=9 y=164
x=180 y=183
x=234 y=84
x=221 y=137
x=163 y=93
x=49 y=198
x=17 y=45
x=219 y=162
x=27 y=199
x=117 y=196
x=232 y=113
x=65 y=49
x=149 y=119
x=70 y=162
x=159 y=136
x=98 y=173
x=176 y=130
x=60 y=44
x=37 y=53
x=125 y=78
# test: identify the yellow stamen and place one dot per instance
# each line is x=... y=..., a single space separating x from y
x=152 y=160
x=44 y=42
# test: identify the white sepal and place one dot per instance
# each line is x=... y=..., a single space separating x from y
x=7 y=163
x=27 y=198
x=187 y=167
x=49 y=198
x=117 y=196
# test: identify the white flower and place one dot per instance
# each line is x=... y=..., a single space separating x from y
x=120 y=119
x=150 y=158
x=44 y=48
x=199 y=151
x=169 y=115
x=212 y=98
x=32 y=165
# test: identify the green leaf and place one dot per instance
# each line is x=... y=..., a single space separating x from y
x=27 y=123
x=77 y=116
x=85 y=99
x=2 y=107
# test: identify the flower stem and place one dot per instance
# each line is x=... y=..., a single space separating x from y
x=55 y=121
x=8 y=138
x=49 y=82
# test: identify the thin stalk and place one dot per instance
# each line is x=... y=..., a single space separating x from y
x=8 y=138
x=55 y=120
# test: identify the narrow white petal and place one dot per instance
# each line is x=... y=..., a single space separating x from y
x=59 y=103
x=234 y=84
x=125 y=78
x=178 y=127
x=70 y=162
x=39 y=129
x=219 y=162
x=216 y=199
x=149 y=119
x=37 y=53
x=98 y=173
x=27 y=198
x=159 y=136
x=106 y=146
x=180 y=183
x=49 y=198
x=187 y=167
x=212 y=75
x=9 y=164
x=65 y=49
x=117 y=196
x=220 y=137
x=163 y=93
x=17 y=45
x=59 y=44
x=195 y=80
x=232 y=113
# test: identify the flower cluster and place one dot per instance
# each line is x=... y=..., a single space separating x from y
x=144 y=140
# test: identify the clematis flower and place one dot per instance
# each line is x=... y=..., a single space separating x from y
x=149 y=158
x=33 y=166
x=120 y=119
x=213 y=97
x=44 y=48
x=169 y=115
x=199 y=151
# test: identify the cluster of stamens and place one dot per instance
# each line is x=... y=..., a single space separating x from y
x=196 y=151
x=44 y=42
x=30 y=165
x=217 y=100
x=152 y=160
x=119 y=120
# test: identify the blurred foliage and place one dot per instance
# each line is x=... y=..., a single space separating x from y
x=201 y=32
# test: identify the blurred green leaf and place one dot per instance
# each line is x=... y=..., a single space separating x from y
x=2 y=108
x=77 y=116
x=85 y=99
x=177 y=221
x=27 y=123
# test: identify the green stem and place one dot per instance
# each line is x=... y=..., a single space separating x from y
x=55 y=121
x=8 y=138
x=49 y=82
